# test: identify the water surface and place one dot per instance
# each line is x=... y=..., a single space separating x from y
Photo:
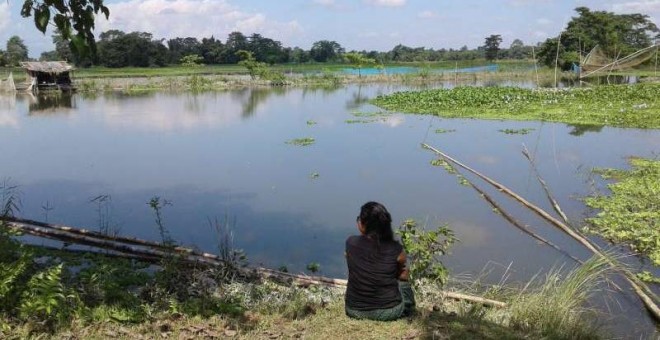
x=223 y=155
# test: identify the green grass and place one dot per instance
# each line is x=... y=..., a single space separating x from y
x=555 y=309
x=631 y=213
x=635 y=106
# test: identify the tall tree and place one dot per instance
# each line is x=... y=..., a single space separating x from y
x=616 y=35
x=492 y=46
x=119 y=49
x=16 y=51
x=236 y=41
x=517 y=50
x=325 y=50
x=180 y=47
x=211 y=50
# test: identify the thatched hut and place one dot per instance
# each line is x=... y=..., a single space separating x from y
x=48 y=75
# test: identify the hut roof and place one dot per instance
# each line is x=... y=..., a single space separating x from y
x=47 y=66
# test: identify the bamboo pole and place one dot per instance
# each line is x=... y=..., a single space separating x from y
x=645 y=294
x=144 y=253
x=548 y=194
x=557 y=58
x=102 y=236
x=519 y=225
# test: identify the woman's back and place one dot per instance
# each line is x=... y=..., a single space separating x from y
x=373 y=272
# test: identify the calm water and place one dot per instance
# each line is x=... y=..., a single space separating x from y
x=223 y=155
x=390 y=70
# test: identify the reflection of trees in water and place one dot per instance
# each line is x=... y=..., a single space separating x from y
x=357 y=99
x=8 y=114
x=193 y=103
x=50 y=103
x=580 y=129
x=250 y=98
x=323 y=89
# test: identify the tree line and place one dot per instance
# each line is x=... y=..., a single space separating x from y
x=115 y=48
x=616 y=34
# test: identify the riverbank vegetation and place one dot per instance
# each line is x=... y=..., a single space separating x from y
x=70 y=293
x=633 y=106
x=630 y=214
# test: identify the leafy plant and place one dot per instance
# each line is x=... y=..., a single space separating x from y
x=631 y=213
x=301 y=141
x=516 y=131
x=157 y=205
x=424 y=247
x=314 y=267
x=191 y=60
x=46 y=299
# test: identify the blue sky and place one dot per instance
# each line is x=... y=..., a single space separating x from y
x=355 y=24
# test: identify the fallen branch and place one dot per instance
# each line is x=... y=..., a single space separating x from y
x=548 y=194
x=146 y=252
x=119 y=239
x=518 y=225
x=645 y=294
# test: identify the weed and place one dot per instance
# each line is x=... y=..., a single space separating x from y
x=314 y=267
x=445 y=130
x=301 y=141
x=157 y=205
x=612 y=105
x=423 y=248
x=103 y=210
x=554 y=309
x=631 y=214
x=523 y=131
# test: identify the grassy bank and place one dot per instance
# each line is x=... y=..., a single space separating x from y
x=551 y=308
x=63 y=295
x=635 y=106
x=630 y=214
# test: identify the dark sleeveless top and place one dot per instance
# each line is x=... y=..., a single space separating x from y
x=373 y=273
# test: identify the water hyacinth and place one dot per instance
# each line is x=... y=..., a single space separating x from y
x=635 y=106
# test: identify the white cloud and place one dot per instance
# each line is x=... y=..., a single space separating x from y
x=4 y=16
x=386 y=3
x=648 y=7
x=644 y=6
x=191 y=18
x=427 y=15
x=543 y=21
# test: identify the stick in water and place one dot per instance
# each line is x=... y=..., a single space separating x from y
x=641 y=289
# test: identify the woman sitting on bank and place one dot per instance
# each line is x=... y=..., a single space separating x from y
x=378 y=287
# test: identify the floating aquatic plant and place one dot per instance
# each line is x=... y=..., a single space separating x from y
x=301 y=141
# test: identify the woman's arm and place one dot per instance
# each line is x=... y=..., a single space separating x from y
x=403 y=269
